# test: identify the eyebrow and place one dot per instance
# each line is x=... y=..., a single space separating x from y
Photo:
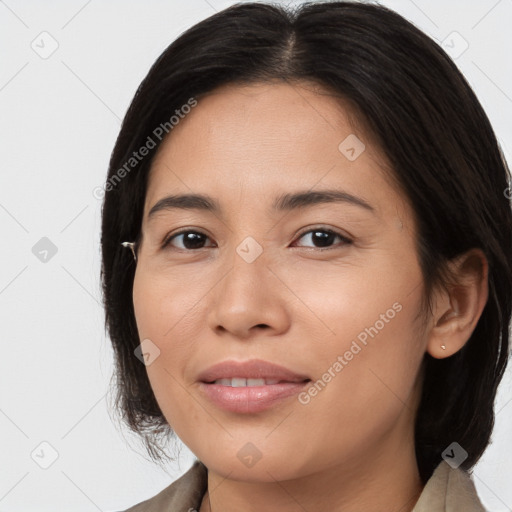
x=284 y=202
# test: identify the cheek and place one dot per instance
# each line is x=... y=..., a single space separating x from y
x=340 y=302
x=366 y=373
x=145 y=301
x=368 y=346
x=161 y=309
x=168 y=316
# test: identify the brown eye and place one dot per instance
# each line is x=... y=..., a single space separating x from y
x=191 y=240
x=324 y=237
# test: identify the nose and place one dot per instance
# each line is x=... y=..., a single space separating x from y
x=250 y=297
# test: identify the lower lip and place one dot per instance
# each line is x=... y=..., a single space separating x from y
x=250 y=399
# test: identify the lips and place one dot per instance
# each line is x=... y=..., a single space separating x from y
x=251 y=399
x=252 y=369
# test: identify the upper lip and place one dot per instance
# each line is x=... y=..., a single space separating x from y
x=252 y=369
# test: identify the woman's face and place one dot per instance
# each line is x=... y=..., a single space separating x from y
x=251 y=281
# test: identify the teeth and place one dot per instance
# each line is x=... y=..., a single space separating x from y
x=240 y=383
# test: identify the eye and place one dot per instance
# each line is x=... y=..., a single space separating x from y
x=324 y=237
x=192 y=239
x=195 y=239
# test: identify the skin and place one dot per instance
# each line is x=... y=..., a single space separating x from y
x=351 y=447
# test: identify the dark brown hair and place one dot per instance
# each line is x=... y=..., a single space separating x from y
x=428 y=122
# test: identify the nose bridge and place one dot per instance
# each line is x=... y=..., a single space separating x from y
x=247 y=295
x=248 y=267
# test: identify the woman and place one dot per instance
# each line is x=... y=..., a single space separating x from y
x=307 y=246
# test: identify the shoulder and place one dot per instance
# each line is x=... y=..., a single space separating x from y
x=449 y=490
x=183 y=494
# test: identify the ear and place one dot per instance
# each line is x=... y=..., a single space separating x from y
x=456 y=311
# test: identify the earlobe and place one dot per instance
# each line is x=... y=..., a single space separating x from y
x=458 y=308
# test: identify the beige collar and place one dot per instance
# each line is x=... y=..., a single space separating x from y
x=449 y=490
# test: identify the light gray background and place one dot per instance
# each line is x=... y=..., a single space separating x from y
x=59 y=119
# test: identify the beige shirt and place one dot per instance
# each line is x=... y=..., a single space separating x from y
x=447 y=490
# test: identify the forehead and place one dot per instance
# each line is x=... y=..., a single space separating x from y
x=256 y=117
x=265 y=138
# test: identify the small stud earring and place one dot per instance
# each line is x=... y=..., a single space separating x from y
x=131 y=245
x=443 y=347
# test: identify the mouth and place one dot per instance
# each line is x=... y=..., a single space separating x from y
x=250 y=386
x=250 y=396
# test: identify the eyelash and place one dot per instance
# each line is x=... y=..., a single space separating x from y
x=345 y=240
